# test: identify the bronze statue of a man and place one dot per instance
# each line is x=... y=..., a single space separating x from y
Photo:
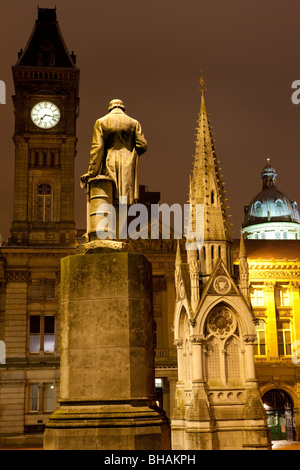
x=117 y=143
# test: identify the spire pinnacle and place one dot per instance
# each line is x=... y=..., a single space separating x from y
x=202 y=84
x=242 y=252
x=268 y=175
x=178 y=260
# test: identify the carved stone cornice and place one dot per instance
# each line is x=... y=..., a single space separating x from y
x=17 y=276
x=11 y=383
x=295 y=285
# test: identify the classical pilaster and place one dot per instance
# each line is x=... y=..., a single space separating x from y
x=269 y=301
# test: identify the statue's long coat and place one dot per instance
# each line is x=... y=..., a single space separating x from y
x=117 y=143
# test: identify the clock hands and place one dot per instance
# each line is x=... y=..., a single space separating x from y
x=45 y=116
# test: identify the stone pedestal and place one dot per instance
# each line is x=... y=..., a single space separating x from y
x=107 y=395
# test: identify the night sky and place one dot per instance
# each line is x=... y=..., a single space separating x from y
x=150 y=55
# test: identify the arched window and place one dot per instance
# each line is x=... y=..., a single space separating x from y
x=44 y=203
x=213 y=367
x=279 y=207
x=222 y=337
x=232 y=359
x=212 y=197
x=258 y=209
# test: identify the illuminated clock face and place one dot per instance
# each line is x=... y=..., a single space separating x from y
x=45 y=115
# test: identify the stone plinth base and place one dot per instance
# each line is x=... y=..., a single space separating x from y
x=115 y=426
x=107 y=385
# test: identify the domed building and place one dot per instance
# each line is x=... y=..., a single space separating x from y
x=271 y=214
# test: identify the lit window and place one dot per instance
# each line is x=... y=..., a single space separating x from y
x=279 y=207
x=40 y=397
x=284 y=338
x=44 y=203
x=34 y=334
x=260 y=343
x=42 y=334
x=158 y=382
x=48 y=402
x=257 y=297
x=49 y=333
x=258 y=209
x=284 y=297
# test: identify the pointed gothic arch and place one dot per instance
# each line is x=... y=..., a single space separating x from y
x=245 y=321
x=223 y=361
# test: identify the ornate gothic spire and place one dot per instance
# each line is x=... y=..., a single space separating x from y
x=206 y=185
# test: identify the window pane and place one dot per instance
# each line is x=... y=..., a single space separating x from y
x=35 y=324
x=34 y=343
x=280 y=337
x=287 y=336
x=281 y=349
x=33 y=397
x=48 y=208
x=44 y=189
x=49 y=397
x=262 y=337
x=44 y=203
x=36 y=289
x=288 y=349
x=49 y=324
x=50 y=288
x=49 y=343
x=262 y=349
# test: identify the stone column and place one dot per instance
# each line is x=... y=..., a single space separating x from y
x=107 y=391
x=197 y=345
x=249 y=341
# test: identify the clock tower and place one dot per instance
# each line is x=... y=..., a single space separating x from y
x=43 y=231
x=46 y=105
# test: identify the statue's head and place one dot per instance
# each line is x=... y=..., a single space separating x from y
x=116 y=104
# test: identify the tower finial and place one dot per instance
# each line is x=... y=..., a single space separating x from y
x=202 y=83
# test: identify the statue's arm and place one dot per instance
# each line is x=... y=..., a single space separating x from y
x=140 y=141
x=97 y=150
